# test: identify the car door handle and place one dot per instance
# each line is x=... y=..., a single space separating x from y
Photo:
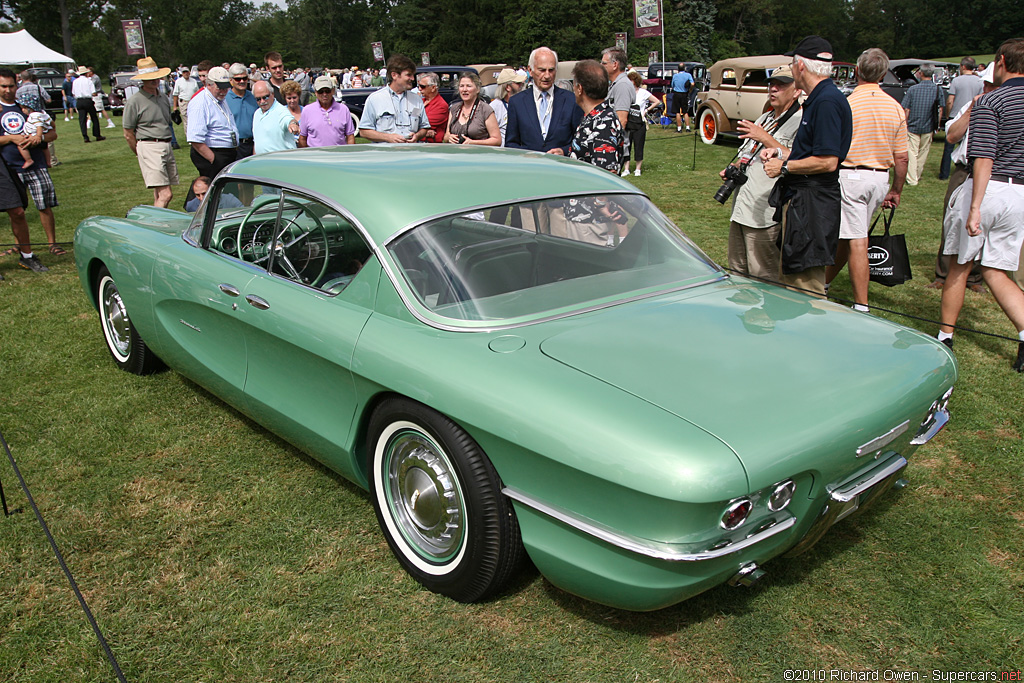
x=257 y=302
x=230 y=290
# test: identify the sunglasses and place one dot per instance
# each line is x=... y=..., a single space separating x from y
x=241 y=79
x=321 y=91
x=265 y=97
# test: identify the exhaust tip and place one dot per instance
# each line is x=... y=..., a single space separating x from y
x=748 y=575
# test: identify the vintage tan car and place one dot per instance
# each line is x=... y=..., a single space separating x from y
x=738 y=90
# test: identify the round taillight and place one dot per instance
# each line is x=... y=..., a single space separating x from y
x=781 y=495
x=736 y=513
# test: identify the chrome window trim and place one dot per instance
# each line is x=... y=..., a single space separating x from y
x=641 y=546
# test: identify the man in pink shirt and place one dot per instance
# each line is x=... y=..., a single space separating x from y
x=325 y=122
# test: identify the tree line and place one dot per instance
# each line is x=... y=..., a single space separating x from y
x=338 y=33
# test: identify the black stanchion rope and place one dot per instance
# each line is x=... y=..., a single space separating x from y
x=60 y=560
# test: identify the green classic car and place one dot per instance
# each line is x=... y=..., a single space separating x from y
x=520 y=355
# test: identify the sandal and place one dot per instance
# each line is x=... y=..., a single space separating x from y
x=57 y=251
x=11 y=252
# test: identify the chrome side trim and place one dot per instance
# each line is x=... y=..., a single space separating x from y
x=847 y=492
x=876 y=444
x=642 y=546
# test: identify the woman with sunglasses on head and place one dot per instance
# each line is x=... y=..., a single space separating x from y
x=471 y=121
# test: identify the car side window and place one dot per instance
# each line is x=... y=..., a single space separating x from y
x=289 y=235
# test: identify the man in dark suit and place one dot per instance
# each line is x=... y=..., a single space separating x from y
x=542 y=118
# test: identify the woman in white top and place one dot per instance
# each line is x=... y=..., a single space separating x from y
x=637 y=132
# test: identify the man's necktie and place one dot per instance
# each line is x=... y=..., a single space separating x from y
x=544 y=113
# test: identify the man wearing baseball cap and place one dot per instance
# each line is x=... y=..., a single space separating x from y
x=808 y=198
x=211 y=127
x=510 y=82
x=147 y=128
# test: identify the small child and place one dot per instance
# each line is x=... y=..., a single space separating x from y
x=37 y=121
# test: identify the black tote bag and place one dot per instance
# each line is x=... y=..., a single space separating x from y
x=887 y=254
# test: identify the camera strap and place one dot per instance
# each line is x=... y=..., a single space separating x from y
x=776 y=125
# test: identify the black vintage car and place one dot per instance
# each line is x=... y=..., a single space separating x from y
x=52 y=81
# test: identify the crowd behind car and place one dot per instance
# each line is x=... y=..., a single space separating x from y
x=230 y=111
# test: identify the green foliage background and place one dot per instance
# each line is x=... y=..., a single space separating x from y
x=338 y=33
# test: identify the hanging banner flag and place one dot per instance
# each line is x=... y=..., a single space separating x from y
x=134 y=41
x=646 y=18
x=652 y=57
x=425 y=58
x=378 y=51
x=620 y=41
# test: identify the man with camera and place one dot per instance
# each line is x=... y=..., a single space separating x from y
x=879 y=143
x=753 y=229
x=808 y=198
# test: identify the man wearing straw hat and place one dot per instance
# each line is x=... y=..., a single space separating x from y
x=147 y=128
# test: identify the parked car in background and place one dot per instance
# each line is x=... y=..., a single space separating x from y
x=118 y=83
x=124 y=68
x=52 y=81
x=902 y=75
x=844 y=75
x=523 y=354
x=738 y=90
x=488 y=77
x=658 y=80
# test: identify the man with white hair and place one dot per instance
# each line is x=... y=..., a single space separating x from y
x=211 y=128
x=542 y=117
x=921 y=104
x=242 y=105
x=147 y=129
x=273 y=126
x=808 y=200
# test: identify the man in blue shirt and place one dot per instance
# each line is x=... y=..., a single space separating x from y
x=808 y=199
x=682 y=81
x=242 y=105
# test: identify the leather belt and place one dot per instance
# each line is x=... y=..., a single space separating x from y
x=154 y=139
x=245 y=140
x=1007 y=179
x=865 y=168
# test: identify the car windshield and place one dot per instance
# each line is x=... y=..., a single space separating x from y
x=517 y=262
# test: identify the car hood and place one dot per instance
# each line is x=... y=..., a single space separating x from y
x=782 y=378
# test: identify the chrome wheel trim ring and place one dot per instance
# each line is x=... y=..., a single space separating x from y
x=421 y=498
x=116 y=326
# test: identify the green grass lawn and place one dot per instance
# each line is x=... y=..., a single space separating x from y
x=210 y=550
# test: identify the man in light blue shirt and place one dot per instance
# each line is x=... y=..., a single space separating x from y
x=396 y=113
x=273 y=126
x=242 y=105
x=211 y=127
x=682 y=81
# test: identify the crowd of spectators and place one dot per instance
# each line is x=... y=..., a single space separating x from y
x=817 y=170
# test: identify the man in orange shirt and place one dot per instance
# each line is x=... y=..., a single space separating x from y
x=879 y=143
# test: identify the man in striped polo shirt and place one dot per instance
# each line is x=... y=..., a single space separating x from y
x=879 y=143
x=986 y=220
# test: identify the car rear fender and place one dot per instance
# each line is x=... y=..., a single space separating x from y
x=722 y=122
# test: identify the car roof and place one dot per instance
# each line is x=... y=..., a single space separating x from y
x=760 y=62
x=389 y=187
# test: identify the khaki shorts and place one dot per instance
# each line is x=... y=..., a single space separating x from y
x=156 y=159
x=1002 y=232
x=863 y=193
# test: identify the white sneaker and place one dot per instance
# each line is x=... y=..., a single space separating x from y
x=679 y=129
x=66 y=118
x=625 y=171
x=110 y=124
x=687 y=129
x=637 y=173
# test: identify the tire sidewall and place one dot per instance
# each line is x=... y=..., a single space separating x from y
x=123 y=361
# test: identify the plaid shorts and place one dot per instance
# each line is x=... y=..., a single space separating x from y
x=40 y=187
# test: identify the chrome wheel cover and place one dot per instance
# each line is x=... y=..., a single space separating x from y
x=422 y=494
x=116 y=326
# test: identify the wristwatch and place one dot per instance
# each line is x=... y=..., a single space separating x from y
x=784 y=171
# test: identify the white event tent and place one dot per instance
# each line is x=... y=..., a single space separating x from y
x=21 y=49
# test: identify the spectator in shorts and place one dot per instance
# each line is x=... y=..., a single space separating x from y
x=97 y=98
x=682 y=83
x=69 y=99
x=147 y=128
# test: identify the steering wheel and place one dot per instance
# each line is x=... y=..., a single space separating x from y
x=300 y=252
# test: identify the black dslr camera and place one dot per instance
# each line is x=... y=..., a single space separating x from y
x=734 y=177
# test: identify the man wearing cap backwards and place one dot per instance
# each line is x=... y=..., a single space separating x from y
x=510 y=82
x=986 y=216
x=879 y=143
x=326 y=122
x=809 y=199
x=921 y=104
x=753 y=229
x=83 y=90
x=147 y=128
x=395 y=113
x=211 y=128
